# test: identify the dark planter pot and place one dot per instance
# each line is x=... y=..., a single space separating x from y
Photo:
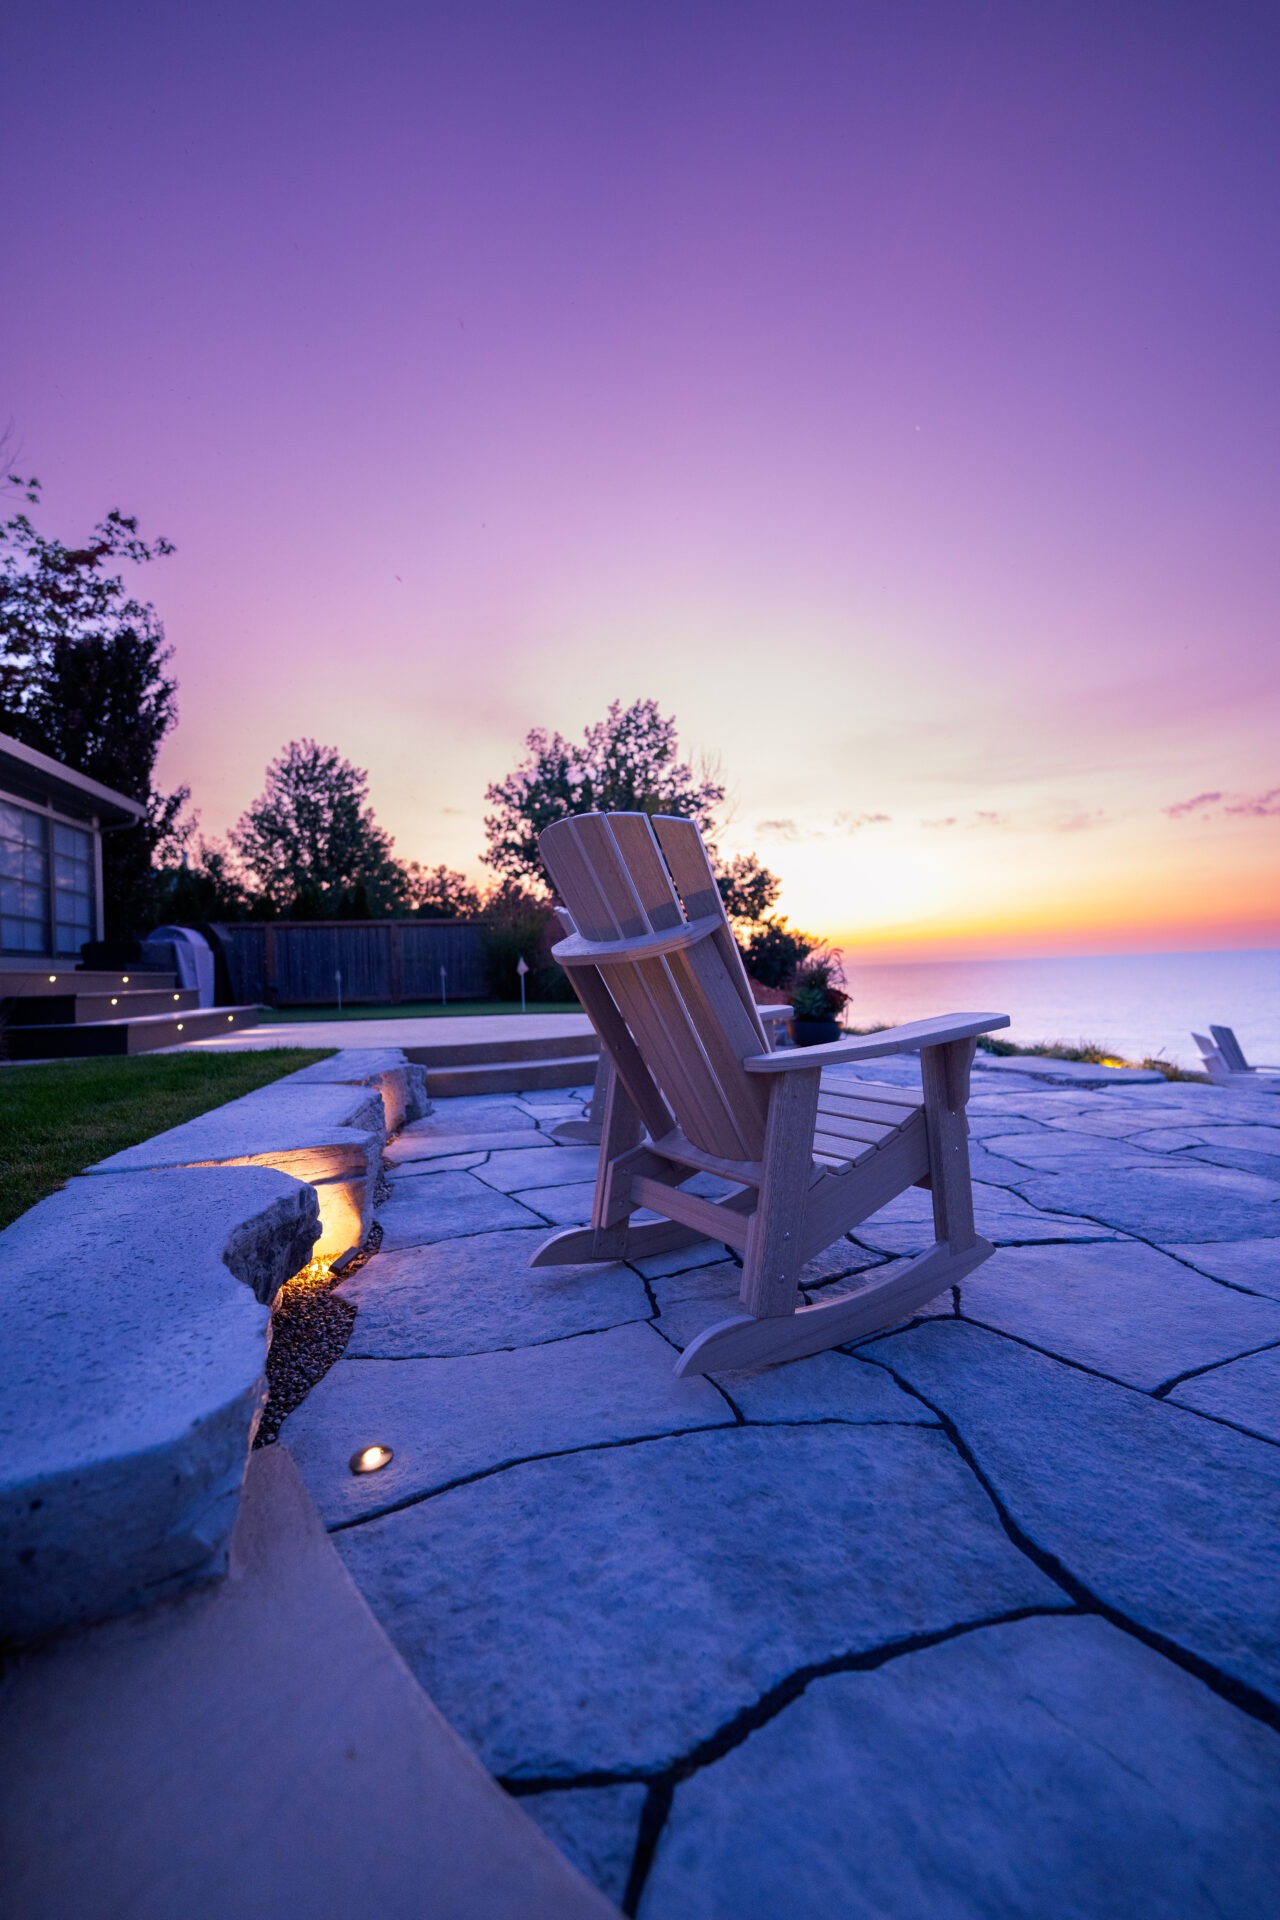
x=814 y=1033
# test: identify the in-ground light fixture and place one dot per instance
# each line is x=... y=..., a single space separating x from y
x=371 y=1459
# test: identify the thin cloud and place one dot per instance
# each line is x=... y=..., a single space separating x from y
x=979 y=819
x=1259 y=805
x=780 y=830
x=850 y=822
x=1080 y=822
x=1252 y=806
x=1198 y=803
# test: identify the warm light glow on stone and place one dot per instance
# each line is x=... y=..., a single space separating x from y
x=370 y=1459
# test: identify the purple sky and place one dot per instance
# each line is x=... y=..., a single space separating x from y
x=891 y=391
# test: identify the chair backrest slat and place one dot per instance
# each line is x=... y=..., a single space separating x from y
x=686 y=856
x=1230 y=1049
x=685 y=1010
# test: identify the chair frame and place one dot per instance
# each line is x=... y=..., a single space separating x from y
x=1223 y=1060
x=695 y=1088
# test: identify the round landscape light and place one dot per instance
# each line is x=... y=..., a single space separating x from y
x=52 y=978
x=115 y=1003
x=124 y=979
x=177 y=996
x=371 y=1459
x=181 y=1025
x=231 y=1019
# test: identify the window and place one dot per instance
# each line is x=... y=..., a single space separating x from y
x=23 y=885
x=46 y=884
x=72 y=889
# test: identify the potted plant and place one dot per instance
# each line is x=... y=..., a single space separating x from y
x=817 y=1000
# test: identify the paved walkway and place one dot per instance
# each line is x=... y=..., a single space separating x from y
x=432 y=1030
x=980 y=1618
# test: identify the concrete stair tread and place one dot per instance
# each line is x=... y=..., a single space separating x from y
x=141 y=1033
x=75 y=1008
x=512 y=1076
x=25 y=982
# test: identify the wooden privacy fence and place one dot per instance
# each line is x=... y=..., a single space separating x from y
x=295 y=963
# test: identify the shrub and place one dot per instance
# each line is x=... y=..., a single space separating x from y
x=517 y=925
x=774 y=950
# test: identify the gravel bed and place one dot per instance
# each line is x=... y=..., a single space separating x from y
x=310 y=1329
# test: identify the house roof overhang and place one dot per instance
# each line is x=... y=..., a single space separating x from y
x=27 y=774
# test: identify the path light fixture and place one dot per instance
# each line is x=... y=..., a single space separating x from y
x=371 y=1459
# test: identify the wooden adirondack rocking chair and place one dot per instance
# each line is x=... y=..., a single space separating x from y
x=655 y=966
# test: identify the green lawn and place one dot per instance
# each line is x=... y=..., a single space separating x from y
x=417 y=1010
x=59 y=1118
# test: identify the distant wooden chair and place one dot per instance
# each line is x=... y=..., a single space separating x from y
x=809 y=1153
x=1224 y=1061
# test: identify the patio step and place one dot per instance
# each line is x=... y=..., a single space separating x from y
x=511 y=1076
x=78 y=1008
x=140 y=1034
x=467 y=1053
x=507 y=1065
x=36 y=982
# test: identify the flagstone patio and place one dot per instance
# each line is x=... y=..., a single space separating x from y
x=979 y=1617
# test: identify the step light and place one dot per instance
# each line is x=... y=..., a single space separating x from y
x=371 y=1459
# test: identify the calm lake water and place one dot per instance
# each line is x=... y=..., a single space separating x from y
x=1134 y=1004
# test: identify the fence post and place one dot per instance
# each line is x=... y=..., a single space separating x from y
x=397 y=991
x=269 y=966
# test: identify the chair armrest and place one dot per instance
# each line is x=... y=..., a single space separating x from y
x=873 y=1046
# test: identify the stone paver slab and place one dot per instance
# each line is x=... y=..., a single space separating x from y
x=445 y=1206
x=905 y=1226
x=479 y=1293
x=1047 y=1767
x=614 y=1608
x=1118 y=1307
x=447 y=1419
x=826 y=1386
x=562 y=1167
x=409 y=1149
x=657 y=1266
x=1067 y=1073
x=561 y=1206
x=1241 y=1263
x=1259 y=1160
x=595 y=1828
x=1172 y=1520
x=1164 y=1202
x=445 y=1163
x=1065 y=1150
x=1247 y=1393
x=1172 y=1139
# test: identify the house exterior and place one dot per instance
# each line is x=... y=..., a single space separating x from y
x=51 y=826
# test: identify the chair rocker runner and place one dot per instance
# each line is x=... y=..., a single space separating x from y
x=697 y=1090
